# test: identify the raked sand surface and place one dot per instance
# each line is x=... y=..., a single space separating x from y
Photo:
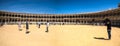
x=58 y=35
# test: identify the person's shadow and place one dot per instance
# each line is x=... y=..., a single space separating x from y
x=101 y=38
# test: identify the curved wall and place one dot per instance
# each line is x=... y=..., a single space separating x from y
x=88 y=18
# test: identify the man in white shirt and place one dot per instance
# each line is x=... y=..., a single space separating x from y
x=47 y=25
x=19 y=26
x=39 y=24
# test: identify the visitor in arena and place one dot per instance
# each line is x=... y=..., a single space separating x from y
x=27 y=27
x=19 y=26
x=93 y=21
x=108 y=24
x=47 y=26
x=39 y=24
x=2 y=22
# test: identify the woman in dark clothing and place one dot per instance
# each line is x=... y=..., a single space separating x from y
x=27 y=28
x=108 y=24
x=2 y=22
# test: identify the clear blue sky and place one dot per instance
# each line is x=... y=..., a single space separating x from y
x=57 y=6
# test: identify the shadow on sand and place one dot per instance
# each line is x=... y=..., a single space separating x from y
x=101 y=38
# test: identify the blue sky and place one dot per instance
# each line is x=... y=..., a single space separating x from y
x=57 y=6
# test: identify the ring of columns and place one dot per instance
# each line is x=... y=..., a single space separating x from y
x=88 y=18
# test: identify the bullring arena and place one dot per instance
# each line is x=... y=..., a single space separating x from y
x=64 y=29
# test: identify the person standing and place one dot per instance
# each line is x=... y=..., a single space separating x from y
x=2 y=22
x=93 y=21
x=47 y=26
x=27 y=27
x=108 y=24
x=39 y=24
x=19 y=26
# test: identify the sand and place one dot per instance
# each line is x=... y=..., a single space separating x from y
x=58 y=35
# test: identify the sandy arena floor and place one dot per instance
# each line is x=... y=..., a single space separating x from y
x=58 y=35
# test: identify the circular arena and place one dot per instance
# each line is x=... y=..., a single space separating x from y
x=64 y=29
